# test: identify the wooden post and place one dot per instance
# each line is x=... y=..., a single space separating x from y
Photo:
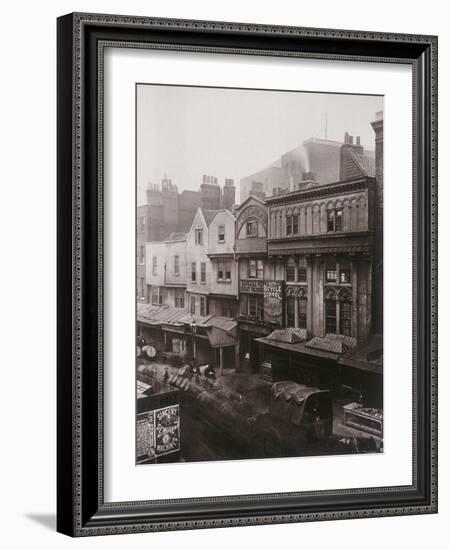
x=221 y=361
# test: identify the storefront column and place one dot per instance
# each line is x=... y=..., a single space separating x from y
x=337 y=310
x=309 y=325
x=355 y=298
x=221 y=361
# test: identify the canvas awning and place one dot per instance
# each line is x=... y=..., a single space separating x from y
x=218 y=338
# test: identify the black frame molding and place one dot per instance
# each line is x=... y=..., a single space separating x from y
x=81 y=510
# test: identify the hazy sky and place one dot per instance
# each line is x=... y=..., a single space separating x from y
x=228 y=133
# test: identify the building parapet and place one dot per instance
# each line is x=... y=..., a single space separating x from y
x=321 y=191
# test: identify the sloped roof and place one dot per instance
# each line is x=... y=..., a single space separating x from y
x=177 y=237
x=165 y=315
x=224 y=323
x=365 y=162
x=335 y=343
x=366 y=356
x=209 y=215
x=288 y=335
x=157 y=315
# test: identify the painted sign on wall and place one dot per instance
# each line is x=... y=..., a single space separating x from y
x=272 y=301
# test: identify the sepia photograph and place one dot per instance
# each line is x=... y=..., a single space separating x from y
x=259 y=273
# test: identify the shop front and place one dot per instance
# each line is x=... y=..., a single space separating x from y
x=297 y=363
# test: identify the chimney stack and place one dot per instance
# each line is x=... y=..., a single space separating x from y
x=228 y=194
x=210 y=193
x=308 y=176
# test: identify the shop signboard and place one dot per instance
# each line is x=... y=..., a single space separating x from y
x=272 y=301
x=251 y=286
x=158 y=433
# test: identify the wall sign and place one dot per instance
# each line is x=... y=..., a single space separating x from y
x=296 y=292
x=272 y=301
x=252 y=286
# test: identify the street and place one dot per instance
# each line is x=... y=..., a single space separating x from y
x=228 y=418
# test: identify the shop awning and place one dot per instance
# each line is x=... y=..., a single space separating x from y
x=368 y=356
x=218 y=338
x=335 y=343
x=164 y=315
x=224 y=323
x=298 y=348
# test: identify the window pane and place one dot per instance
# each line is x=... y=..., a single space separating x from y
x=345 y=271
x=251 y=228
x=243 y=304
x=331 y=316
x=345 y=318
x=259 y=303
x=192 y=305
x=295 y=223
x=302 y=313
x=193 y=271
x=331 y=220
x=290 y=270
x=252 y=306
x=291 y=312
x=260 y=269
x=331 y=269
x=203 y=272
x=221 y=233
x=339 y=220
x=252 y=269
x=289 y=225
x=302 y=269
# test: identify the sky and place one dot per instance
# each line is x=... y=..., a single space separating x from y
x=186 y=132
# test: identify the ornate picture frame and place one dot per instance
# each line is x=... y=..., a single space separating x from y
x=81 y=507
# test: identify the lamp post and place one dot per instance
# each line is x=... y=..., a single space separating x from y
x=193 y=328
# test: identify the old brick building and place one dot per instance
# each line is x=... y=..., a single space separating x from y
x=167 y=212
